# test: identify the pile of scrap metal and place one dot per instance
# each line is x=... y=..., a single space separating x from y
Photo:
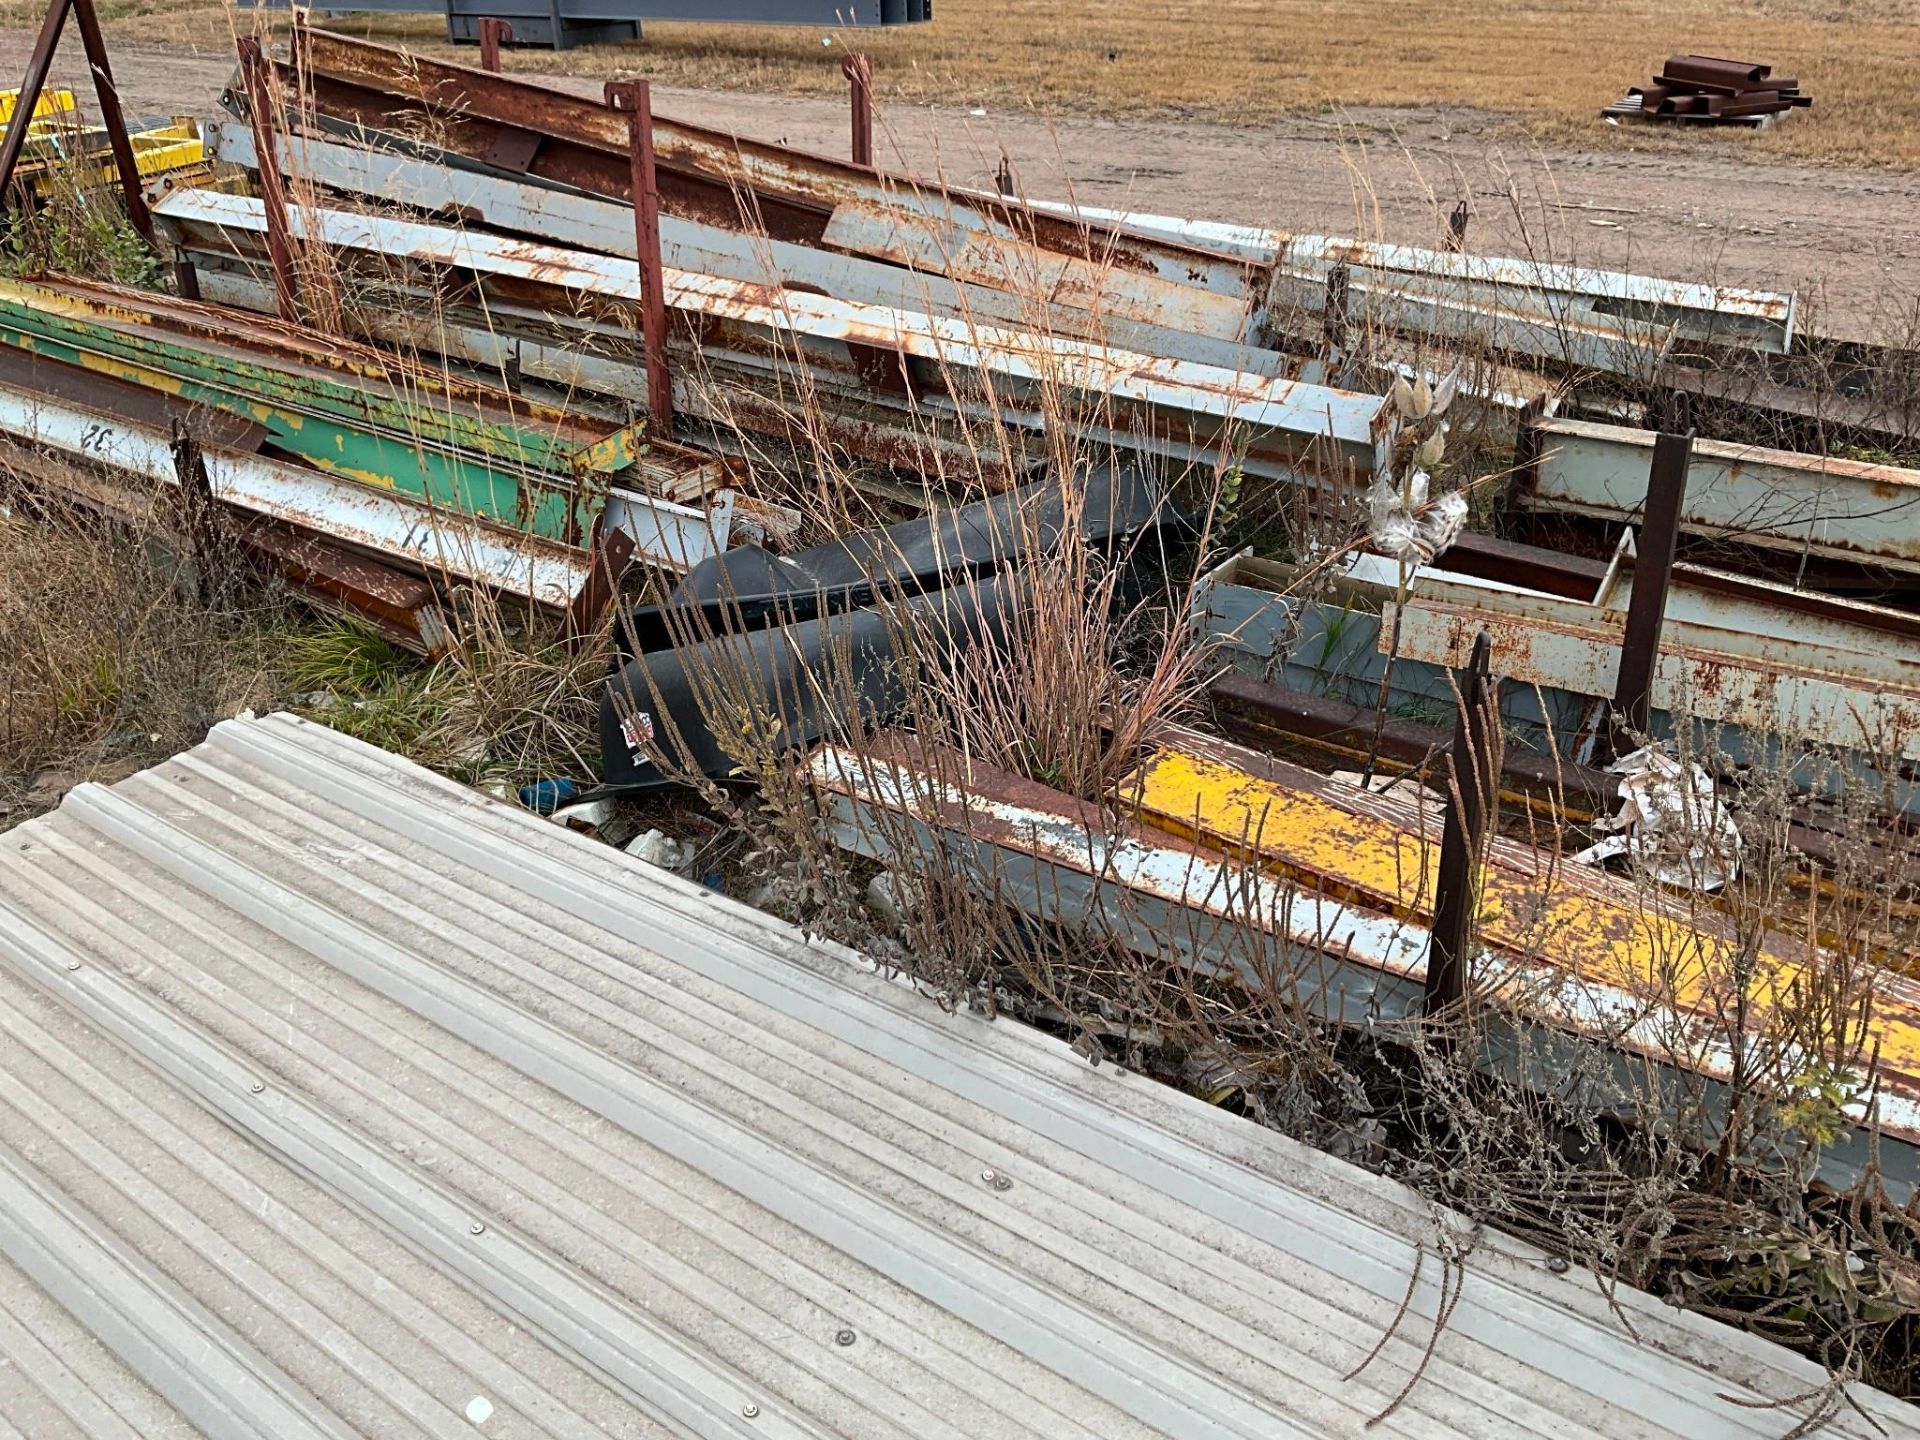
x=796 y=646
x=370 y=482
x=803 y=298
x=1704 y=90
x=1249 y=870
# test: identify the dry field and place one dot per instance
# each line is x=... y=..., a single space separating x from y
x=1549 y=64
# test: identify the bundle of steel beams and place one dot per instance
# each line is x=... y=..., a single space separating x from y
x=923 y=381
x=1602 y=319
x=1764 y=669
x=362 y=478
x=1709 y=90
x=1239 y=865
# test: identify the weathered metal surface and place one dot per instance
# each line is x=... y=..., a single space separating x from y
x=1851 y=510
x=705 y=174
x=506 y=339
x=1459 y=887
x=269 y=180
x=1604 y=299
x=403 y=607
x=381 y=522
x=693 y=1172
x=936 y=245
x=1755 y=670
x=635 y=98
x=1340 y=957
x=1655 y=541
x=1764 y=699
x=587 y=222
x=340 y=406
x=1715 y=609
x=1321 y=429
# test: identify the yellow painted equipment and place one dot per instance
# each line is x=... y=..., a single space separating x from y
x=1334 y=839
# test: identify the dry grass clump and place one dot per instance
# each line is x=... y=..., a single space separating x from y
x=111 y=656
x=1552 y=66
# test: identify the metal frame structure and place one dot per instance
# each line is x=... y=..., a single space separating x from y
x=87 y=21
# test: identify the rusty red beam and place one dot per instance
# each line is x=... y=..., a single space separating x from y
x=859 y=72
x=273 y=189
x=494 y=32
x=1463 y=843
x=635 y=99
x=1654 y=547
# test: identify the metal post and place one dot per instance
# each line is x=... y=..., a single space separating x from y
x=635 y=97
x=1463 y=843
x=111 y=117
x=1457 y=227
x=38 y=65
x=1652 y=570
x=198 y=509
x=612 y=555
x=273 y=190
x=859 y=73
x=494 y=32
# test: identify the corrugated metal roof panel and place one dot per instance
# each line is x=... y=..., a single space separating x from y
x=338 y=1100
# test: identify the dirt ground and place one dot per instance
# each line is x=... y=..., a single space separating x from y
x=1847 y=240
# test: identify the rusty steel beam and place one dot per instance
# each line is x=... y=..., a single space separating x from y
x=1463 y=843
x=612 y=557
x=1647 y=606
x=859 y=72
x=273 y=191
x=87 y=21
x=725 y=179
x=493 y=33
x=635 y=99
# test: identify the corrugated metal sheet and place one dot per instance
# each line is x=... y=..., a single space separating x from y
x=337 y=1100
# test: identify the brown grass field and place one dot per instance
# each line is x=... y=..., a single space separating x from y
x=1546 y=66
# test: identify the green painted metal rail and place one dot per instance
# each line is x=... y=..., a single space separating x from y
x=338 y=406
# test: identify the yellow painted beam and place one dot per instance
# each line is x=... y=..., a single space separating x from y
x=1581 y=922
x=50 y=103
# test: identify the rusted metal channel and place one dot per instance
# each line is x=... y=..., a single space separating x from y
x=705 y=174
x=1795 y=504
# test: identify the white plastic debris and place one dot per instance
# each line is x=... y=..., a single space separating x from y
x=588 y=815
x=1670 y=823
x=656 y=847
x=1399 y=785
